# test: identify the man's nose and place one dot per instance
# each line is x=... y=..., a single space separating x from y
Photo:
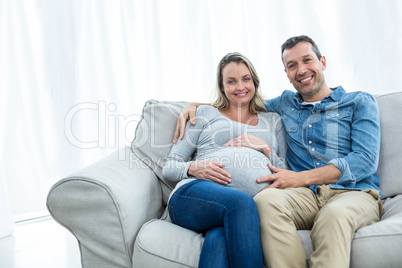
x=301 y=69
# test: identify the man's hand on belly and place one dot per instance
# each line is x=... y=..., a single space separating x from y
x=284 y=178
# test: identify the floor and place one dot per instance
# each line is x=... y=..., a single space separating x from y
x=40 y=243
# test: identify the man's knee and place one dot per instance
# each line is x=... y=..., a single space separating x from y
x=334 y=219
x=333 y=214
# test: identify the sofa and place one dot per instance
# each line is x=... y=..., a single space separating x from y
x=116 y=207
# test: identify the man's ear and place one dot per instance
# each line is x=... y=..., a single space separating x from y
x=323 y=61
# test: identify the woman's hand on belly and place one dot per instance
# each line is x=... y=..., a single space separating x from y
x=252 y=142
x=209 y=170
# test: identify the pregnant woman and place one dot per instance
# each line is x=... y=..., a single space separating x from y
x=233 y=143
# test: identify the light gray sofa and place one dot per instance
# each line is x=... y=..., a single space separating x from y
x=116 y=207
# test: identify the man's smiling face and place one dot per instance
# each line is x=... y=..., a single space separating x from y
x=304 y=70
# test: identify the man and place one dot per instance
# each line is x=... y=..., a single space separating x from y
x=333 y=150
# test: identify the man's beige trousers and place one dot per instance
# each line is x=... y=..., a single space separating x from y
x=333 y=217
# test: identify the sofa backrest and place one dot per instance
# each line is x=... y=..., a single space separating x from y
x=154 y=135
x=390 y=165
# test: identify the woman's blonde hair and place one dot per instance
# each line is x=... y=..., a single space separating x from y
x=221 y=101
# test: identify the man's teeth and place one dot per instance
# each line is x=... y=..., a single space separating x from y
x=306 y=79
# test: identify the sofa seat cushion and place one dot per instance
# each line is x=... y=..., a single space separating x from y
x=161 y=243
x=375 y=245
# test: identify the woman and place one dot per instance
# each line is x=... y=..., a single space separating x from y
x=232 y=145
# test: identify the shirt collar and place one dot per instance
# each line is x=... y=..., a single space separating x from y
x=336 y=95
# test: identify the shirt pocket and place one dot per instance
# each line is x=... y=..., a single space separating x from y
x=338 y=122
x=291 y=120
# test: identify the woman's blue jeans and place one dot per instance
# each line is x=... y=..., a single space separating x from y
x=228 y=218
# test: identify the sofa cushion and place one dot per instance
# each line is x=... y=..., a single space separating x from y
x=163 y=244
x=376 y=245
x=390 y=165
x=154 y=135
x=160 y=243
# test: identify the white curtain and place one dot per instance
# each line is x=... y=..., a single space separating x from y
x=74 y=74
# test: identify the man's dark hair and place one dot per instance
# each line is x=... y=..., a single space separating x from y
x=291 y=42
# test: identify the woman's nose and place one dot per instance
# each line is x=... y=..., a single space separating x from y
x=240 y=85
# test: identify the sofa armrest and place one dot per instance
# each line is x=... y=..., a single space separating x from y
x=105 y=205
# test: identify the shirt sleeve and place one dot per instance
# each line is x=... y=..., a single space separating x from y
x=179 y=159
x=362 y=161
x=278 y=158
x=274 y=105
x=269 y=105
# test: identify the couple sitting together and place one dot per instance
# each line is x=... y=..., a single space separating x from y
x=258 y=177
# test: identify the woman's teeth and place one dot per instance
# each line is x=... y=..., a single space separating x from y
x=241 y=94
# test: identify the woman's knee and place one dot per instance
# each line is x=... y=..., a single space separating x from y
x=216 y=236
x=242 y=206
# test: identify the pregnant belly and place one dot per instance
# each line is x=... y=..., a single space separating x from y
x=245 y=166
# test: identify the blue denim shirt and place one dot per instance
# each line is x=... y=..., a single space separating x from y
x=343 y=130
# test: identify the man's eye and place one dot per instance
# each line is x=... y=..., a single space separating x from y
x=291 y=66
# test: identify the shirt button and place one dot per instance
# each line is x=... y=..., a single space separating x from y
x=310 y=142
x=313 y=149
x=318 y=164
x=309 y=125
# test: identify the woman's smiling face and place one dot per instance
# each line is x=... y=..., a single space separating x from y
x=238 y=84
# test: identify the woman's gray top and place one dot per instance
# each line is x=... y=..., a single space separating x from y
x=206 y=140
